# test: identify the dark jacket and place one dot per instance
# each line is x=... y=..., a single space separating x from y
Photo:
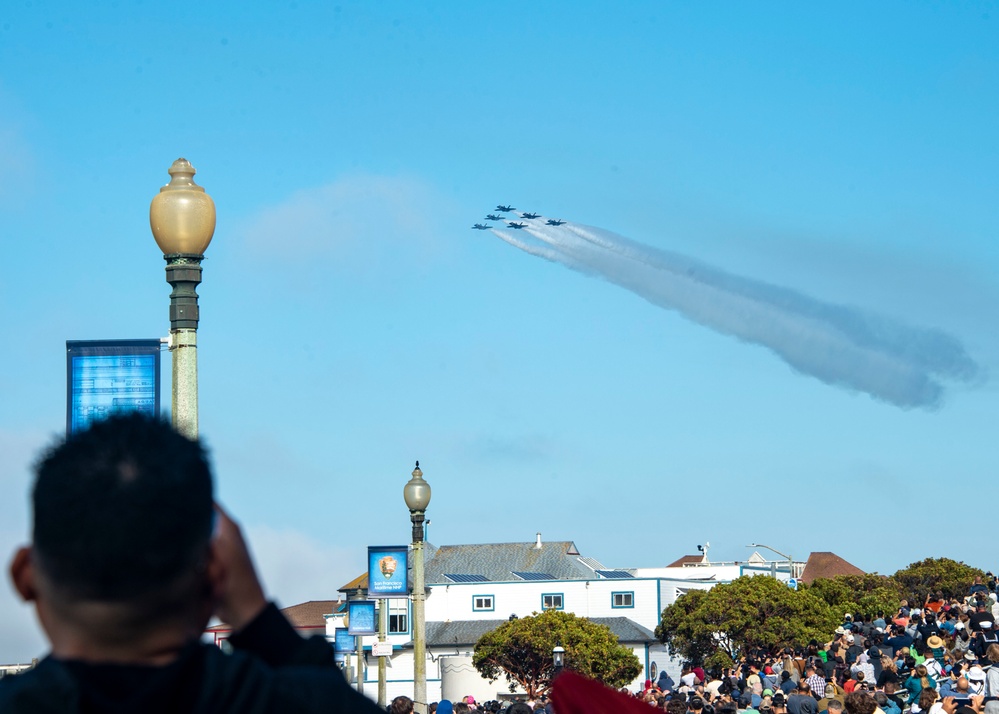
x=271 y=669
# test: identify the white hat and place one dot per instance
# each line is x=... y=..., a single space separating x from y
x=976 y=673
x=985 y=624
x=959 y=626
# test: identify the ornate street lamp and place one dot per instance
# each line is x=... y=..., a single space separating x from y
x=182 y=218
x=790 y=560
x=417 y=495
x=558 y=659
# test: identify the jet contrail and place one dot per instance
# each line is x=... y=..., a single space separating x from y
x=839 y=345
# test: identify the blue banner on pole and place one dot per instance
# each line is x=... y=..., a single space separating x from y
x=343 y=641
x=387 y=571
x=361 y=617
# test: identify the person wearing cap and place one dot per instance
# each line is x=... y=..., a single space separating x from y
x=984 y=638
x=830 y=695
x=982 y=614
x=937 y=644
x=962 y=638
x=976 y=680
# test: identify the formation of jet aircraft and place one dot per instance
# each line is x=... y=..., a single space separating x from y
x=516 y=225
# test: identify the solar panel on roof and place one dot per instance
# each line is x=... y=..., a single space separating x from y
x=466 y=578
x=533 y=576
x=615 y=574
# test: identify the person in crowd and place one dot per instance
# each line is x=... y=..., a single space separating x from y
x=918 y=680
x=802 y=701
x=860 y=703
x=401 y=705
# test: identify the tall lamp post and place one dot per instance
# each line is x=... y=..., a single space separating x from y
x=417 y=495
x=790 y=560
x=182 y=218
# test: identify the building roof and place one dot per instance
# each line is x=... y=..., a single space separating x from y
x=358 y=583
x=686 y=560
x=306 y=614
x=310 y=614
x=827 y=565
x=500 y=561
x=464 y=633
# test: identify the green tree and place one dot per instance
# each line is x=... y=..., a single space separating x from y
x=750 y=613
x=868 y=594
x=950 y=577
x=521 y=649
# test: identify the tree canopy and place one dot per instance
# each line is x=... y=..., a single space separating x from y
x=932 y=575
x=869 y=595
x=748 y=614
x=521 y=650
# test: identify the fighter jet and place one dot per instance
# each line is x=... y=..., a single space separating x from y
x=530 y=215
x=553 y=222
x=480 y=227
x=505 y=209
x=494 y=217
x=518 y=226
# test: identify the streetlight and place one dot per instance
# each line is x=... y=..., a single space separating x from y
x=417 y=495
x=790 y=560
x=558 y=659
x=182 y=218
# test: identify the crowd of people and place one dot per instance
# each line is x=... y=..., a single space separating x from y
x=941 y=657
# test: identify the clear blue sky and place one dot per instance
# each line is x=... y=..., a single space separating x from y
x=352 y=323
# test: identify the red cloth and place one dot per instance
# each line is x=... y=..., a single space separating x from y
x=575 y=694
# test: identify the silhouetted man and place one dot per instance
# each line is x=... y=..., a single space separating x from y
x=129 y=560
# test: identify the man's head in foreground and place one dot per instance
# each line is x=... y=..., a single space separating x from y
x=120 y=556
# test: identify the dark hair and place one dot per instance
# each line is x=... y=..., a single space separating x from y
x=519 y=708
x=401 y=705
x=122 y=509
x=860 y=703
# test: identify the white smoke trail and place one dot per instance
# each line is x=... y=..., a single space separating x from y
x=839 y=345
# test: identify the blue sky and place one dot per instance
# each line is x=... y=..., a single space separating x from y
x=352 y=323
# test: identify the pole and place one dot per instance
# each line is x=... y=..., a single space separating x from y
x=419 y=619
x=183 y=272
x=382 y=632
x=359 y=647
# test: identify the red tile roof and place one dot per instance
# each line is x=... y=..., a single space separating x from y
x=309 y=614
x=827 y=565
x=685 y=560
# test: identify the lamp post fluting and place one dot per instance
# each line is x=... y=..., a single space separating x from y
x=417 y=495
x=182 y=219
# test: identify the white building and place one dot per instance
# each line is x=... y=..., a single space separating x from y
x=472 y=589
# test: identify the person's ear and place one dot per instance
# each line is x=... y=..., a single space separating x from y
x=22 y=574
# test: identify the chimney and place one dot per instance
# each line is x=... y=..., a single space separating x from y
x=537 y=543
